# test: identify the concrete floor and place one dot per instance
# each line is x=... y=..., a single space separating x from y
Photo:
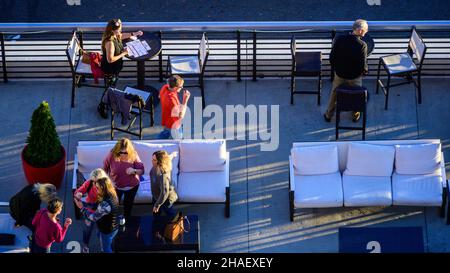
x=259 y=219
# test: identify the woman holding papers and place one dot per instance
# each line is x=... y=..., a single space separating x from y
x=113 y=50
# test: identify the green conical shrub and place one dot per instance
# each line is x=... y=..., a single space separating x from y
x=44 y=146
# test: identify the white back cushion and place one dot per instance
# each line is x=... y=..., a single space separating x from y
x=91 y=157
x=370 y=160
x=417 y=159
x=315 y=160
x=202 y=156
x=146 y=150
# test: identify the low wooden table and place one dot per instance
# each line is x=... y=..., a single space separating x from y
x=145 y=234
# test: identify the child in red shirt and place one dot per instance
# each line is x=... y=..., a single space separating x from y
x=47 y=227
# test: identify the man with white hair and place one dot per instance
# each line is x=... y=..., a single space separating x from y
x=348 y=57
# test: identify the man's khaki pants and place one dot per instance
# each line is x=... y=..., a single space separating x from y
x=337 y=82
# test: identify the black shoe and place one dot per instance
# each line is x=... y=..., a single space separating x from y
x=327 y=119
x=101 y=109
x=356 y=118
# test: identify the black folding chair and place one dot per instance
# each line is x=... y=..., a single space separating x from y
x=404 y=65
x=305 y=64
x=80 y=71
x=351 y=98
x=191 y=65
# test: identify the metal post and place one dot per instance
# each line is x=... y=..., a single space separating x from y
x=333 y=35
x=160 y=60
x=238 y=55
x=80 y=38
x=5 y=73
x=254 y=55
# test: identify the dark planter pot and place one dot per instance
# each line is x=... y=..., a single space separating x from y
x=53 y=174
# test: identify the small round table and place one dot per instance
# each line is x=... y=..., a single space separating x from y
x=154 y=41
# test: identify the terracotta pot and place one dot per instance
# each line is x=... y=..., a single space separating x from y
x=53 y=174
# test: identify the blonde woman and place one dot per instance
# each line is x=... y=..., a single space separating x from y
x=106 y=213
x=163 y=192
x=112 y=47
x=124 y=167
x=24 y=205
x=90 y=203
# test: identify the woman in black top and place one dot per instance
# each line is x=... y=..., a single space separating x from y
x=112 y=47
x=24 y=205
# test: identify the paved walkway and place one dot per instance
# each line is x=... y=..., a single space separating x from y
x=259 y=180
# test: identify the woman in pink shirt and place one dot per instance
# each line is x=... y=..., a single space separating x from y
x=90 y=203
x=124 y=167
x=47 y=227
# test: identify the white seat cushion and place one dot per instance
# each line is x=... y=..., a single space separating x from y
x=202 y=187
x=144 y=194
x=367 y=190
x=418 y=159
x=184 y=64
x=318 y=191
x=369 y=160
x=202 y=156
x=83 y=68
x=315 y=160
x=7 y=226
x=146 y=150
x=417 y=190
x=91 y=157
x=399 y=63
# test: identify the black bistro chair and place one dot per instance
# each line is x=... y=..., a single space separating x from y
x=191 y=65
x=305 y=64
x=79 y=70
x=351 y=98
x=404 y=65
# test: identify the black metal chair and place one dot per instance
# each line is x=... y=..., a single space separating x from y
x=404 y=65
x=305 y=64
x=79 y=70
x=351 y=98
x=191 y=65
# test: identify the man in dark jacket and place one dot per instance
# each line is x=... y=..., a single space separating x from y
x=348 y=57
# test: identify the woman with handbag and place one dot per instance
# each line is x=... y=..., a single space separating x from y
x=106 y=214
x=124 y=167
x=163 y=192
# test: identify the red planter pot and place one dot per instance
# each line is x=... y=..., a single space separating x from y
x=53 y=174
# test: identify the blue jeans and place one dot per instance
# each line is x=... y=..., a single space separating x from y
x=167 y=134
x=87 y=231
x=106 y=241
x=167 y=208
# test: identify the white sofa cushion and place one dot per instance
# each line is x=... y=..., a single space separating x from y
x=315 y=160
x=417 y=159
x=370 y=160
x=417 y=190
x=21 y=241
x=204 y=156
x=144 y=193
x=146 y=150
x=318 y=191
x=367 y=190
x=202 y=187
x=91 y=157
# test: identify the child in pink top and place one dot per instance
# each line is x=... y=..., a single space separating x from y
x=47 y=227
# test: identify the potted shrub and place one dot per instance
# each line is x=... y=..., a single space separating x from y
x=43 y=158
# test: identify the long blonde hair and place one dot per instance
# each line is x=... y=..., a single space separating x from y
x=113 y=25
x=46 y=191
x=164 y=161
x=105 y=189
x=124 y=143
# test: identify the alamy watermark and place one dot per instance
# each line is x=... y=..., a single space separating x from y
x=240 y=122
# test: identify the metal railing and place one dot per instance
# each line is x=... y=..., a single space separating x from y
x=237 y=49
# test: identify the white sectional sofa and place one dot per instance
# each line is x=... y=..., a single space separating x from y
x=200 y=173
x=7 y=226
x=367 y=173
